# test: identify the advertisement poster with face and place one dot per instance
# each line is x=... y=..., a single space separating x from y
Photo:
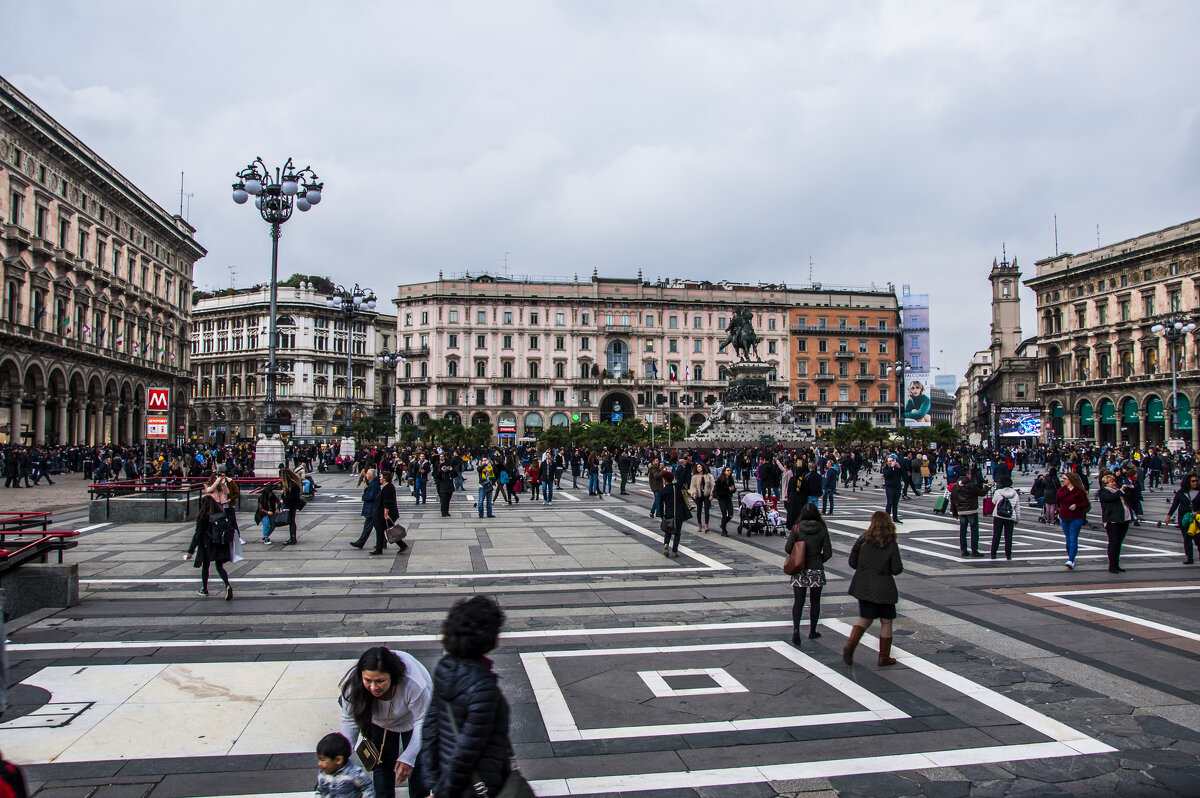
x=918 y=399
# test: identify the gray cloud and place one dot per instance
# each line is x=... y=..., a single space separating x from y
x=896 y=142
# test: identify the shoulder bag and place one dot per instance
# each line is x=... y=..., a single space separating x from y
x=394 y=532
x=796 y=558
x=515 y=785
x=369 y=754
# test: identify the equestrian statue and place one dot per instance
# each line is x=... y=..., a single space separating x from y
x=741 y=334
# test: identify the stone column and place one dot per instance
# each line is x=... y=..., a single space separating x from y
x=127 y=419
x=1141 y=429
x=80 y=437
x=114 y=423
x=96 y=428
x=14 y=417
x=60 y=424
x=1195 y=428
x=1119 y=439
x=137 y=425
x=1096 y=418
x=39 y=419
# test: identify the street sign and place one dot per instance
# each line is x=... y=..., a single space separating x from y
x=157 y=427
x=285 y=427
x=616 y=417
x=649 y=418
x=574 y=416
x=158 y=400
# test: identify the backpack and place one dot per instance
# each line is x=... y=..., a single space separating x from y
x=1004 y=508
x=220 y=530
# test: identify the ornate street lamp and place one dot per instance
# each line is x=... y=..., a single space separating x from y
x=1174 y=330
x=350 y=302
x=391 y=360
x=275 y=197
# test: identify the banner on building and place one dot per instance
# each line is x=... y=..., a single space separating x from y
x=1019 y=422
x=918 y=399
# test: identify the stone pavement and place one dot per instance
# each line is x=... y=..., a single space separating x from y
x=68 y=490
x=627 y=671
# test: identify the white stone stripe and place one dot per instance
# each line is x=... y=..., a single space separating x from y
x=657 y=536
x=1058 y=597
x=532 y=634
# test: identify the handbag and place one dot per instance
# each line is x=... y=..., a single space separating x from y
x=515 y=785
x=797 y=556
x=279 y=518
x=369 y=754
x=395 y=532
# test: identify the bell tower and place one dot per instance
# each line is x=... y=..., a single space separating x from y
x=1006 y=307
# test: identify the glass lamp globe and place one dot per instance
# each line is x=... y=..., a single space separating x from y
x=302 y=204
x=1157 y=328
x=290 y=187
x=314 y=196
x=254 y=186
x=240 y=195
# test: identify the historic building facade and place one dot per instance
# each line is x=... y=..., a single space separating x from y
x=524 y=354
x=844 y=345
x=1104 y=374
x=228 y=347
x=1009 y=392
x=95 y=284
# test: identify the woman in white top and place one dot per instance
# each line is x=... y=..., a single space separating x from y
x=384 y=698
x=702 y=493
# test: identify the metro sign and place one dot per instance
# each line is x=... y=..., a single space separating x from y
x=157 y=427
x=158 y=400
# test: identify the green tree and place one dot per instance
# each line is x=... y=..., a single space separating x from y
x=370 y=429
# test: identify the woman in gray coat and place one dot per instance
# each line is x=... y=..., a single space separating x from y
x=875 y=559
x=811 y=578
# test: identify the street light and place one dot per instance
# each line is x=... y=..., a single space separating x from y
x=391 y=360
x=1174 y=331
x=899 y=367
x=350 y=302
x=275 y=197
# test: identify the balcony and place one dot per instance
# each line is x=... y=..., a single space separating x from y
x=844 y=354
x=42 y=246
x=619 y=329
x=411 y=351
x=83 y=266
x=824 y=376
x=865 y=377
x=16 y=233
x=807 y=329
x=412 y=380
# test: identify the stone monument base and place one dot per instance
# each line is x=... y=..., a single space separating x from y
x=347 y=448
x=268 y=456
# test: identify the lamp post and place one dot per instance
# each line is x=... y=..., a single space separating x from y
x=275 y=197
x=350 y=302
x=1174 y=330
x=391 y=360
x=898 y=368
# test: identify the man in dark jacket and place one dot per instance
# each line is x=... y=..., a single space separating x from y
x=893 y=482
x=964 y=500
x=369 y=495
x=443 y=479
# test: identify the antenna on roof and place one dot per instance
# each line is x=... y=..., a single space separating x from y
x=232 y=273
x=1097 y=235
x=810 y=269
x=1056 y=235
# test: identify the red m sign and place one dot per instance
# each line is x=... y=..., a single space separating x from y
x=158 y=399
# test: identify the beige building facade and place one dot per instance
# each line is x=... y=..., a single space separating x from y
x=94 y=283
x=229 y=356
x=525 y=354
x=1104 y=375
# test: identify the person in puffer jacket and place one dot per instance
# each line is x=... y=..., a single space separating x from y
x=472 y=743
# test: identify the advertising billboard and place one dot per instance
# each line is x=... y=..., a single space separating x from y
x=914 y=346
x=1019 y=422
x=918 y=401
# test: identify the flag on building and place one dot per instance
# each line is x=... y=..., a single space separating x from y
x=87 y=332
x=654 y=366
x=101 y=337
x=37 y=319
x=68 y=329
x=673 y=372
x=687 y=375
x=120 y=340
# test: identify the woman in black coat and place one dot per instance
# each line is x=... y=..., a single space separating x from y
x=1117 y=511
x=674 y=511
x=465 y=737
x=875 y=559
x=205 y=550
x=810 y=579
x=1187 y=500
x=292 y=500
x=385 y=513
x=724 y=489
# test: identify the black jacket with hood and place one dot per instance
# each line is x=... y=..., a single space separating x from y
x=482 y=749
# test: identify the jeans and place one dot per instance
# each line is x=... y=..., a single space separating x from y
x=1001 y=526
x=458 y=481
x=419 y=485
x=654 y=505
x=827 y=501
x=593 y=484
x=548 y=491
x=607 y=484
x=893 y=502
x=574 y=479
x=968 y=521
x=1116 y=536
x=266 y=527
x=703 y=508
x=485 y=495
x=1070 y=528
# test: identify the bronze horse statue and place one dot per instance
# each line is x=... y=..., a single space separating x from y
x=741 y=334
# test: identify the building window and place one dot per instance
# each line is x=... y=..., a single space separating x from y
x=533 y=342
x=1175 y=300
x=843 y=394
x=560 y=371
x=822 y=395
x=481 y=342
x=1150 y=361
x=407 y=319
x=585 y=319
x=481 y=317
x=822 y=345
x=480 y=397
x=771 y=323
x=533 y=317
x=507 y=342
x=801 y=368
x=452 y=341
x=698 y=371
x=862 y=347
x=560 y=343
x=508 y=317
x=771 y=348
x=560 y=319
x=585 y=343
x=698 y=346
x=506 y=397
x=1124 y=304
x=533 y=369
x=1148 y=302
x=481 y=368
x=534 y=397
x=1080 y=319
x=649 y=320
x=673 y=345
x=801 y=345
x=673 y=322
x=425 y=317
x=560 y=398
x=801 y=394
x=1102 y=313
x=696 y=322
x=14 y=208
x=609 y=319
x=506 y=369
x=452 y=369
x=883 y=347
x=454 y=317
x=862 y=396
x=883 y=393
x=451 y=396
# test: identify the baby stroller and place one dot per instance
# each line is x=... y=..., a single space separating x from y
x=757 y=515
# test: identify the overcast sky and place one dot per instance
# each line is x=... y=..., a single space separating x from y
x=885 y=142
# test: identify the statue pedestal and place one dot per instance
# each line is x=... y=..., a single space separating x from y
x=347 y=448
x=268 y=456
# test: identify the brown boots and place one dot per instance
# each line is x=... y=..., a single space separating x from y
x=855 y=635
x=885 y=647
x=885 y=652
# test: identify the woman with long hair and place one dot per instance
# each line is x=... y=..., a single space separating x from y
x=290 y=488
x=810 y=579
x=1187 y=500
x=724 y=488
x=702 y=493
x=875 y=559
x=1073 y=505
x=207 y=551
x=384 y=699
